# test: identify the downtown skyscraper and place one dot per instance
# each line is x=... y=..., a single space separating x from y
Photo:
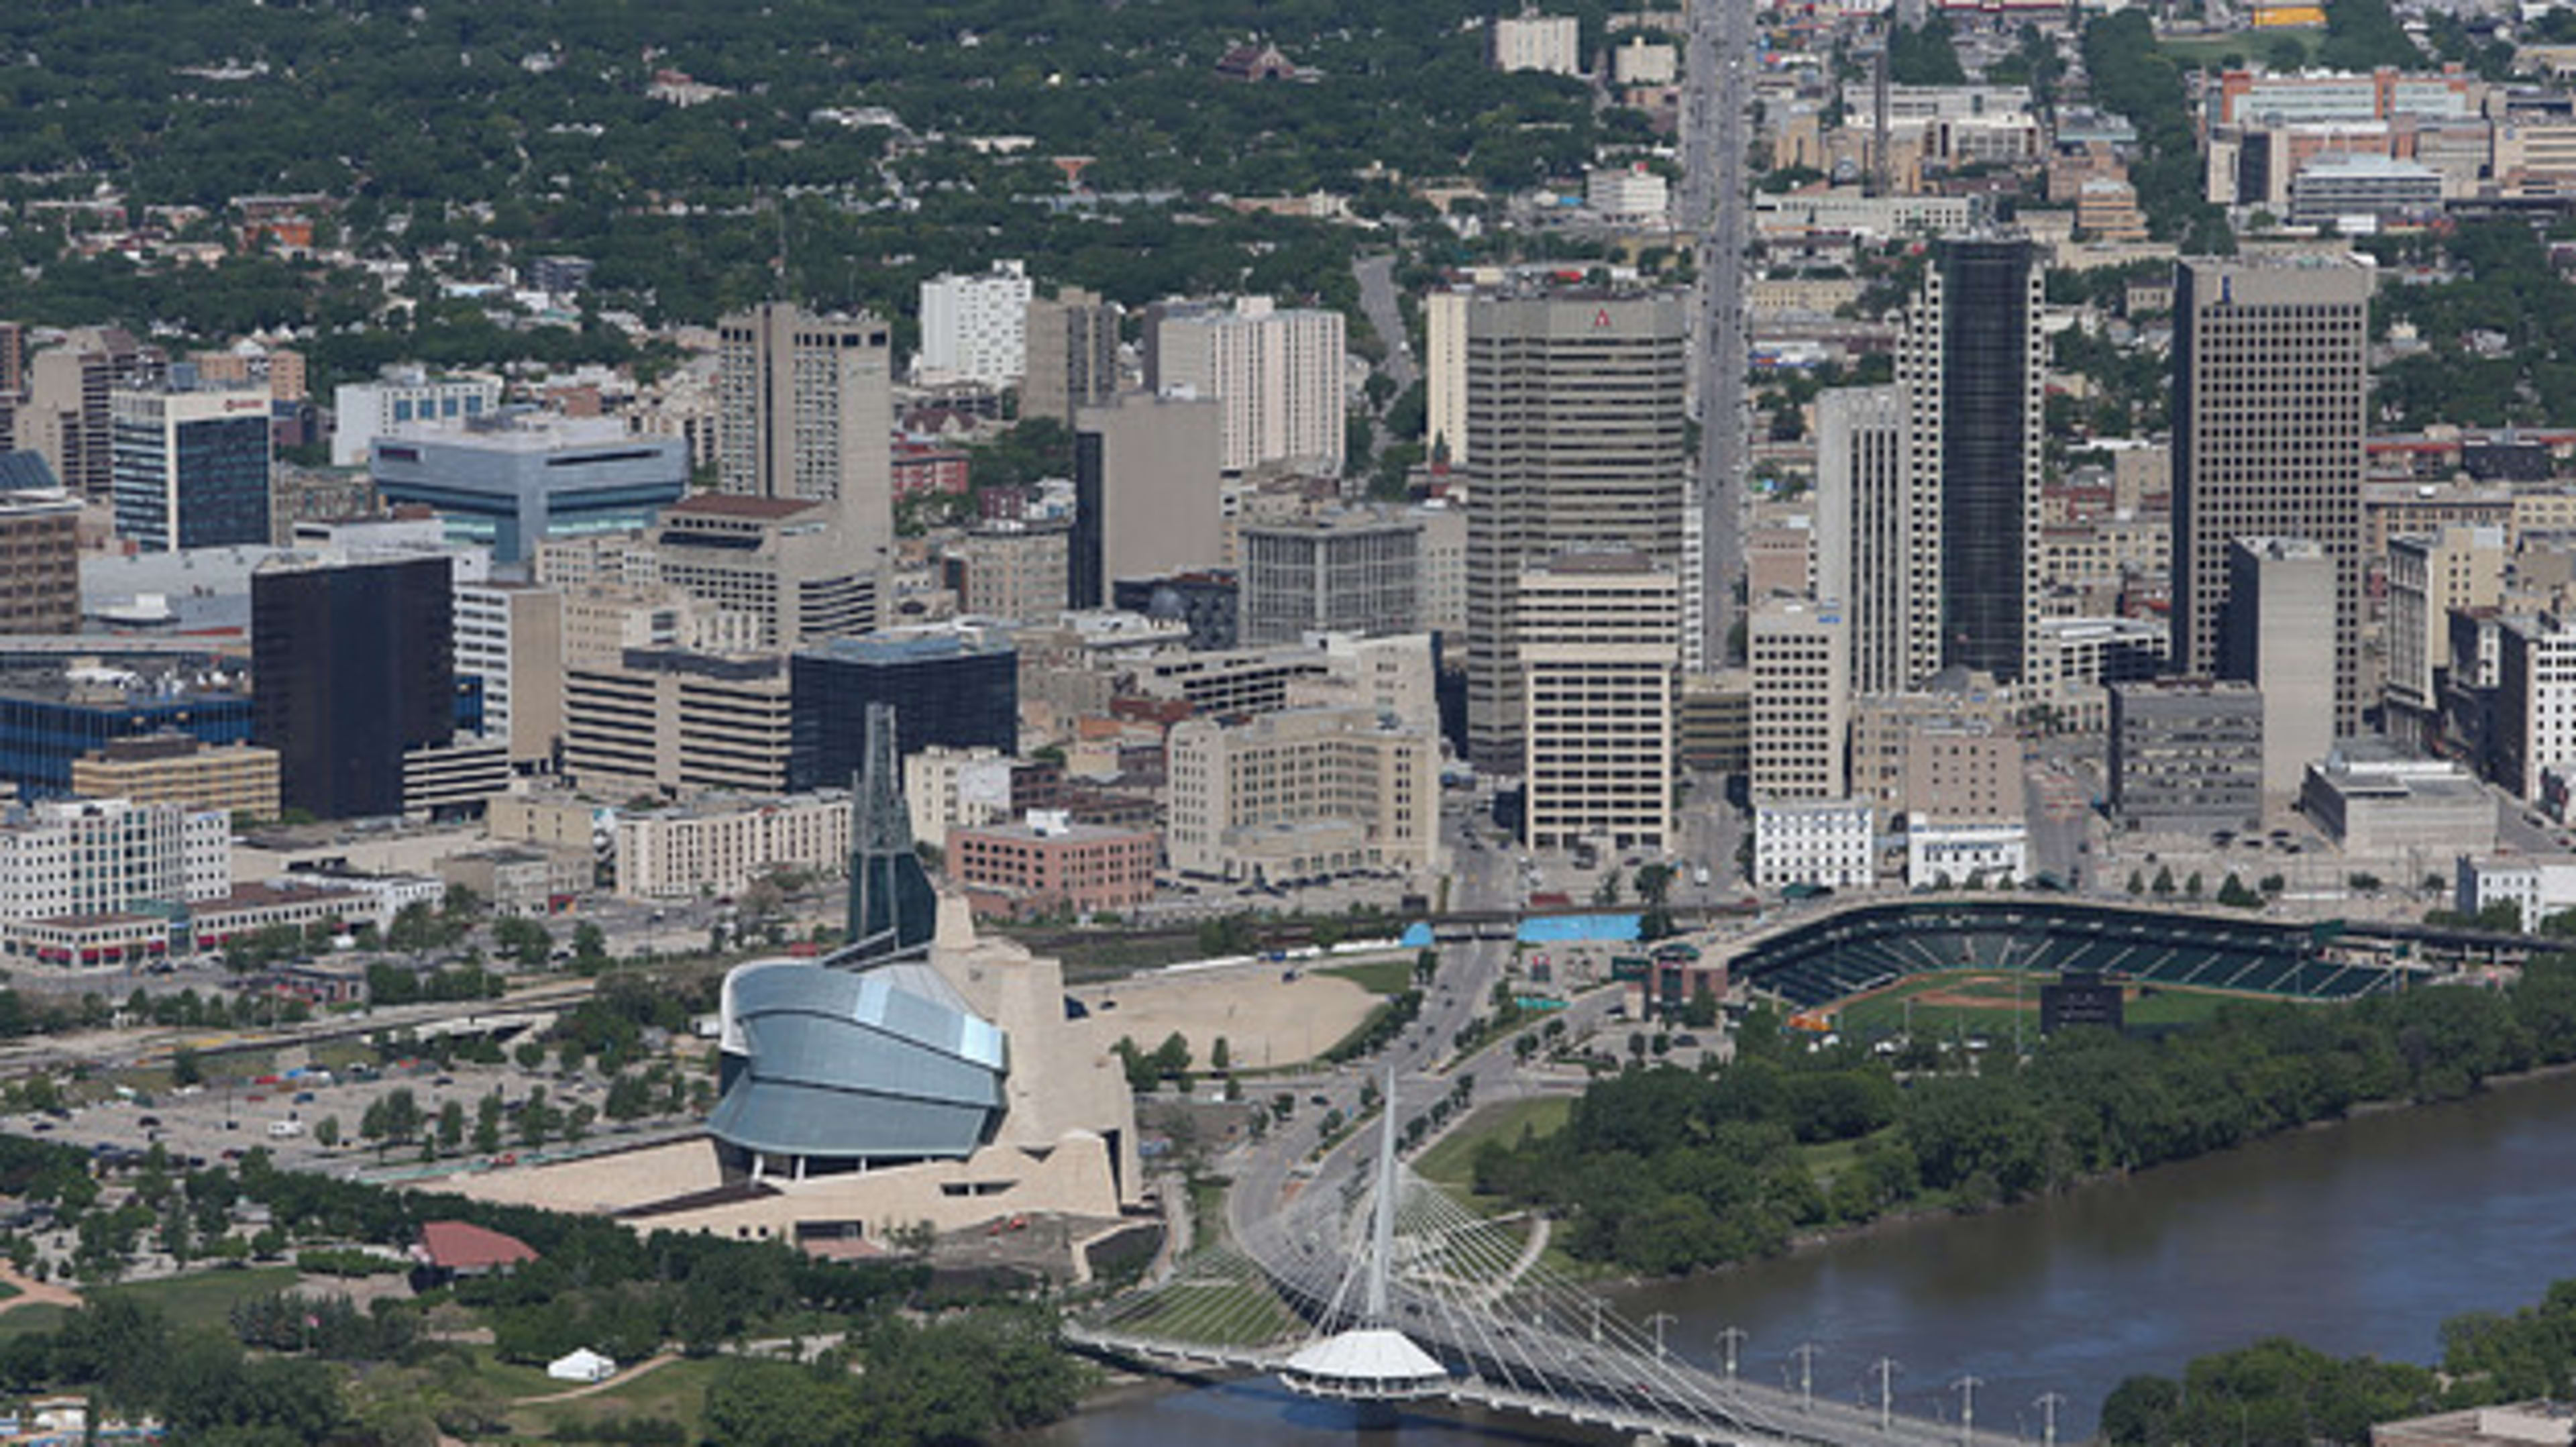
x=1972 y=363
x=1576 y=435
x=2271 y=401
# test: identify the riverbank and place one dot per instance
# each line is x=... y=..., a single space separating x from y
x=2362 y=1239
x=1910 y=1217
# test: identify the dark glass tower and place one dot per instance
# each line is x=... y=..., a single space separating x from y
x=1976 y=373
x=959 y=689
x=353 y=664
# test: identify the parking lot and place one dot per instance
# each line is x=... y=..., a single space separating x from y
x=222 y=1119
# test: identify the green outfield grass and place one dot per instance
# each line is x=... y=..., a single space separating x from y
x=1956 y=1004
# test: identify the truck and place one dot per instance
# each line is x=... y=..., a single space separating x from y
x=281 y=1129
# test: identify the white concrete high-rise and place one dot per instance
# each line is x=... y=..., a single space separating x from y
x=1277 y=373
x=1800 y=655
x=975 y=328
x=1601 y=643
x=1869 y=552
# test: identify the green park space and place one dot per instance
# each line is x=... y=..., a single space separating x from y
x=1451 y=1162
x=1378 y=977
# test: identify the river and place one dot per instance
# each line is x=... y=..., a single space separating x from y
x=2356 y=1238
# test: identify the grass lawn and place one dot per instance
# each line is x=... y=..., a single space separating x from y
x=1451 y=1164
x=1828 y=1159
x=204 y=1299
x=29 y=1320
x=1378 y=977
x=677 y=1391
x=512 y=1381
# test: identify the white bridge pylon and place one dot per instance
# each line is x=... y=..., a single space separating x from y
x=1372 y=1361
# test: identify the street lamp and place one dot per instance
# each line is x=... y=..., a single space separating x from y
x=1727 y=1341
x=1968 y=1406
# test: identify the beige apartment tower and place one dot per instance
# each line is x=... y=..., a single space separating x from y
x=2271 y=397
x=1072 y=355
x=1575 y=422
x=805 y=410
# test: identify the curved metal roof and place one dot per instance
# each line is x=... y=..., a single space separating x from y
x=884 y=1064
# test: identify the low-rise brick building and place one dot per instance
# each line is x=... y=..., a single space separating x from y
x=1051 y=863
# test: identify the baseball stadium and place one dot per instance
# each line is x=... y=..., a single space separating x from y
x=1977 y=965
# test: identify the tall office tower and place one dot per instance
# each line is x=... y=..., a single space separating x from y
x=1601 y=639
x=1869 y=553
x=1800 y=659
x=65 y=416
x=1278 y=375
x=1072 y=355
x=975 y=328
x=805 y=409
x=191 y=468
x=355 y=666
x=1575 y=419
x=1147 y=495
x=2271 y=399
x=1971 y=362
x=13 y=359
x=2280 y=603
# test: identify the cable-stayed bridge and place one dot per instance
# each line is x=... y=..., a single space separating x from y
x=1383 y=1290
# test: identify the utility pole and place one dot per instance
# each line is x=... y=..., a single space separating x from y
x=1886 y=1369
x=2048 y=1404
x=1968 y=1406
x=1727 y=1341
x=1806 y=1355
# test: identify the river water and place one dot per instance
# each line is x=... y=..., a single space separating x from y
x=2357 y=1238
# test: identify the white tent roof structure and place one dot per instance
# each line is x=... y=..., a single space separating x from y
x=581 y=1364
x=1370 y=1362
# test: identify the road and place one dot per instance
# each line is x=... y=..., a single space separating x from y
x=1377 y=301
x=1717 y=107
x=1485 y=878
